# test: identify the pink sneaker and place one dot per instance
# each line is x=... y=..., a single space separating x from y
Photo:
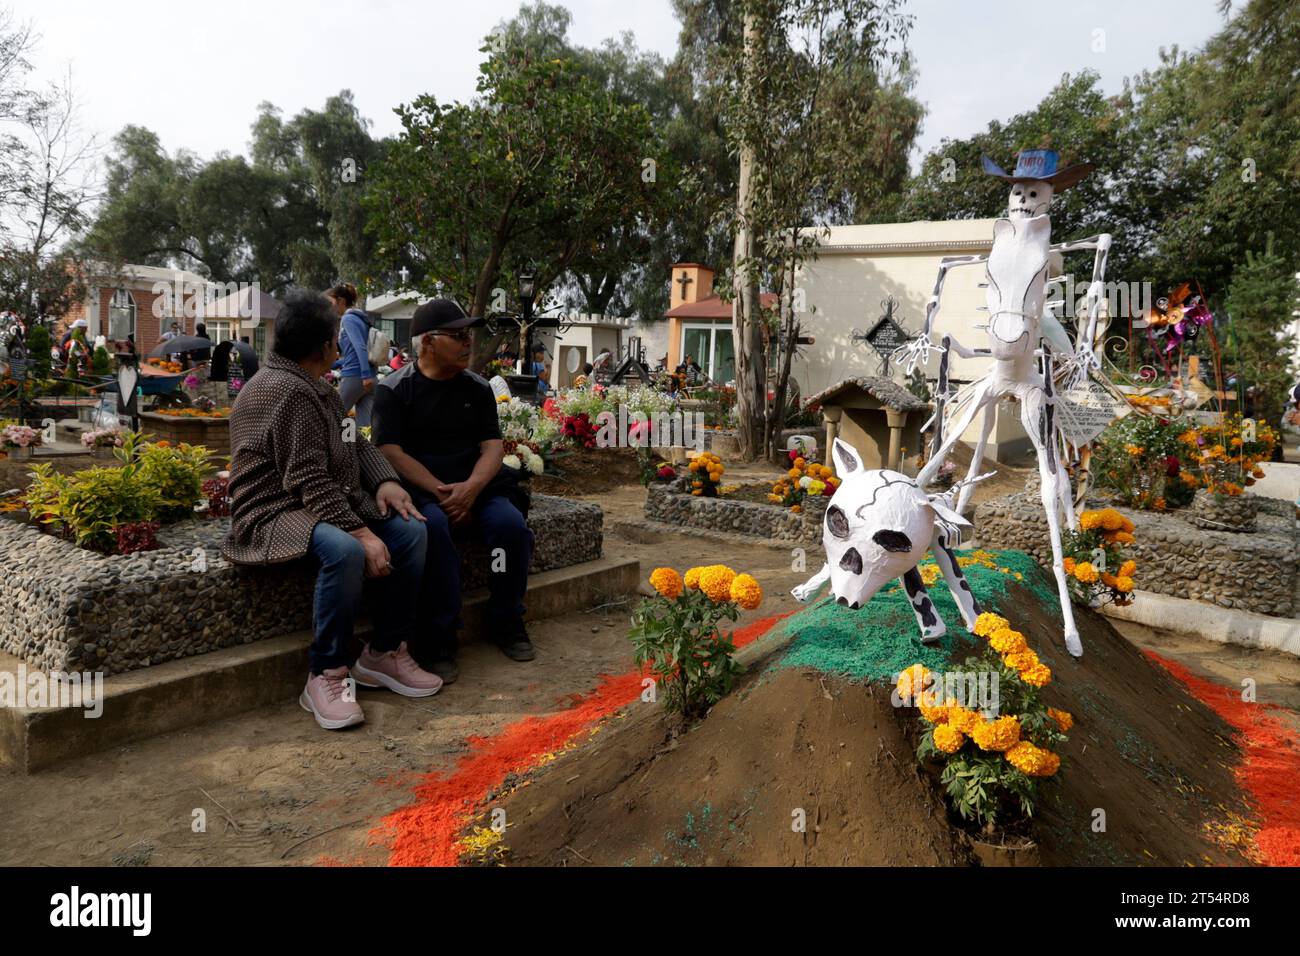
x=326 y=696
x=397 y=671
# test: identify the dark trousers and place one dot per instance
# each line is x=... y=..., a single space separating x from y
x=502 y=529
x=342 y=568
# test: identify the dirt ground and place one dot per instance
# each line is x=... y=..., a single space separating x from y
x=277 y=790
x=1155 y=760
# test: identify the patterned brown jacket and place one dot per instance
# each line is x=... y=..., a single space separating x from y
x=292 y=466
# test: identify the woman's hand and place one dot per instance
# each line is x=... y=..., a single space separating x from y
x=378 y=561
x=392 y=495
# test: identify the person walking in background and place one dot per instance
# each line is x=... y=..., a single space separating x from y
x=357 y=385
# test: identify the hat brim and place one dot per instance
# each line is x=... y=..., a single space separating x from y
x=462 y=323
x=1060 y=180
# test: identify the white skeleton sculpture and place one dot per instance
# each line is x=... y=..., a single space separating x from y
x=1023 y=341
x=878 y=525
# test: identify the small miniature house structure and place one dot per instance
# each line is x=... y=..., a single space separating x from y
x=875 y=415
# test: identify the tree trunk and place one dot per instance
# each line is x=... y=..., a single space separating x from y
x=751 y=378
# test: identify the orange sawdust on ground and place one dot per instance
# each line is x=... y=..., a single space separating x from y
x=424 y=833
x=1270 y=767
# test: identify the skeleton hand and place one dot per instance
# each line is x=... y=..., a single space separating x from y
x=916 y=352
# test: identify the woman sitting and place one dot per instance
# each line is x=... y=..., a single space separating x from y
x=306 y=484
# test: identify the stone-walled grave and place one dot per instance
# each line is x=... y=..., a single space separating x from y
x=66 y=609
x=672 y=503
x=1254 y=571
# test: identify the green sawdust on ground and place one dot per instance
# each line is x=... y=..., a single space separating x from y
x=882 y=639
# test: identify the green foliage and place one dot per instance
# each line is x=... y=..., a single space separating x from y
x=1133 y=456
x=91 y=504
x=689 y=659
x=38 y=351
x=100 y=363
x=175 y=475
x=541 y=168
x=1260 y=300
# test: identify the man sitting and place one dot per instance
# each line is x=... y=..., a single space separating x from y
x=304 y=486
x=436 y=422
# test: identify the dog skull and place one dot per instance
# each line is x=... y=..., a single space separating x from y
x=878 y=525
x=1029 y=198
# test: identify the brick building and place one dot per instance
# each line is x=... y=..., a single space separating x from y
x=139 y=300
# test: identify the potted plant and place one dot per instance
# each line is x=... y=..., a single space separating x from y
x=19 y=441
x=102 y=441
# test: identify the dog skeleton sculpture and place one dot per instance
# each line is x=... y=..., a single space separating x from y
x=1024 y=342
x=878 y=525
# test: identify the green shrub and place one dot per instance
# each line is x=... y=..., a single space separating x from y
x=38 y=351
x=175 y=473
x=91 y=504
x=100 y=363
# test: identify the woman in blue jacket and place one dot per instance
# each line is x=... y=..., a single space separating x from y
x=357 y=387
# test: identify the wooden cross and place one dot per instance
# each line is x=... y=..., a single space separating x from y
x=685 y=280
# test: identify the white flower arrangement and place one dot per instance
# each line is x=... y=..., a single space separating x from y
x=102 y=438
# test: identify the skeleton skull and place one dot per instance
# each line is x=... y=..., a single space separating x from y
x=878 y=525
x=1029 y=198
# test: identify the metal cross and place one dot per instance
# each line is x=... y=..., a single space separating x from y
x=684 y=280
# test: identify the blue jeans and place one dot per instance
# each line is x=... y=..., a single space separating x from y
x=342 y=563
x=498 y=524
x=352 y=392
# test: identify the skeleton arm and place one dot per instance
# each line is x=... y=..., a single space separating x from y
x=1085 y=358
x=918 y=350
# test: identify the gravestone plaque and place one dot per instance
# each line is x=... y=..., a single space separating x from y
x=1083 y=412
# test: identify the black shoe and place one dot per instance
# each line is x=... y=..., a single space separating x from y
x=446 y=668
x=519 y=650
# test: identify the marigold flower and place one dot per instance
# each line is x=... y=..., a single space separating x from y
x=746 y=592
x=1127 y=568
x=1063 y=719
x=667 y=582
x=1006 y=641
x=692 y=579
x=963 y=719
x=948 y=739
x=1068 y=564
x=1033 y=761
x=1125 y=537
x=911 y=681
x=715 y=581
x=1040 y=675
x=997 y=735
x=987 y=623
x=1085 y=572
x=1020 y=660
x=1124 y=584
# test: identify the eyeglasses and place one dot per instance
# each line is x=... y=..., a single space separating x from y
x=461 y=335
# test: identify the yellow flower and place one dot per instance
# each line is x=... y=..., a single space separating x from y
x=1085 y=572
x=1033 y=761
x=1068 y=564
x=1006 y=641
x=692 y=579
x=963 y=719
x=997 y=735
x=948 y=739
x=1020 y=660
x=1063 y=719
x=911 y=682
x=987 y=623
x=715 y=581
x=746 y=592
x=1124 y=584
x=1090 y=520
x=1127 y=568
x=667 y=582
x=1040 y=675
x=1125 y=537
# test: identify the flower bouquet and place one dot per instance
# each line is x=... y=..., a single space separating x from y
x=1097 y=571
x=706 y=470
x=804 y=479
x=676 y=634
x=991 y=760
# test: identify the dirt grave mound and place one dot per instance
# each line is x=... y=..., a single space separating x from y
x=810 y=734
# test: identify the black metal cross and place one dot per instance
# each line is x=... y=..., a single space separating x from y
x=684 y=280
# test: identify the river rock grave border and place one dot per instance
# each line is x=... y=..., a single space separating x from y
x=66 y=609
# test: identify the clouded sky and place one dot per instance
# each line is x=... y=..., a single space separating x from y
x=195 y=72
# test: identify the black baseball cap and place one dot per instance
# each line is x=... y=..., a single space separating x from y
x=439 y=314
